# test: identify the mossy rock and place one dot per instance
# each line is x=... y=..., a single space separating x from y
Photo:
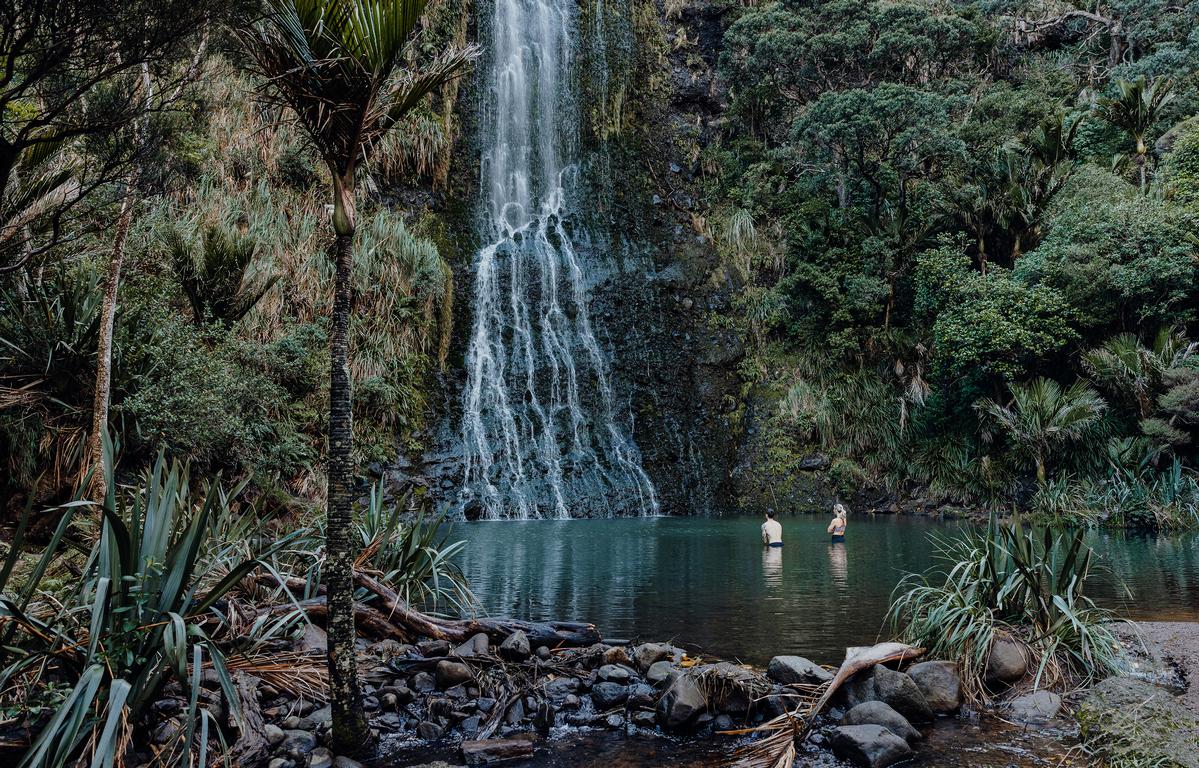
x=1127 y=722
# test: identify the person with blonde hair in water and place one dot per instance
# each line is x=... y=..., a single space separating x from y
x=837 y=526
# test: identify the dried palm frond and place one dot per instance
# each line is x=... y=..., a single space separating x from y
x=301 y=675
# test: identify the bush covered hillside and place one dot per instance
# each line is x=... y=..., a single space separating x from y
x=967 y=237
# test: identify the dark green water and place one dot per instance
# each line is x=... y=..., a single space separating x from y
x=709 y=584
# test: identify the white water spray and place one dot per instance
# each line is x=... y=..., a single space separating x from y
x=541 y=425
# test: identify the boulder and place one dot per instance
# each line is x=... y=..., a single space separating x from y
x=429 y=731
x=614 y=673
x=451 y=673
x=682 y=703
x=879 y=713
x=320 y=758
x=901 y=692
x=607 y=695
x=648 y=654
x=940 y=683
x=1140 y=722
x=516 y=647
x=797 y=669
x=872 y=746
x=1036 y=708
x=489 y=751
x=659 y=672
x=1006 y=663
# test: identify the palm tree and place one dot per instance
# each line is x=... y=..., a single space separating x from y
x=1124 y=366
x=1042 y=416
x=1135 y=109
x=342 y=67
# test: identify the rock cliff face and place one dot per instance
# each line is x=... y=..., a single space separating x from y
x=651 y=101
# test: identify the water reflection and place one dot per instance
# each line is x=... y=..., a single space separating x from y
x=772 y=566
x=708 y=581
x=838 y=566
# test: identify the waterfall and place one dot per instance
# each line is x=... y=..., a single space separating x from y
x=542 y=427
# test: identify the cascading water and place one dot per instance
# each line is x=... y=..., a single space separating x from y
x=541 y=423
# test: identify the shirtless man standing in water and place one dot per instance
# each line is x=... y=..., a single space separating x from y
x=772 y=532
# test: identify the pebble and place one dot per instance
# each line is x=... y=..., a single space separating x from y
x=320 y=758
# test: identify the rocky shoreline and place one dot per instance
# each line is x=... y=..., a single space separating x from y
x=492 y=700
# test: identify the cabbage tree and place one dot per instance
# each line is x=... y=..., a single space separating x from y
x=348 y=71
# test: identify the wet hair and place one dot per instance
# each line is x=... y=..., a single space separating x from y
x=770 y=513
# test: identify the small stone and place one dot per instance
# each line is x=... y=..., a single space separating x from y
x=642 y=696
x=314 y=640
x=470 y=726
x=167 y=731
x=1006 y=663
x=320 y=758
x=429 y=731
x=516 y=713
x=423 y=682
x=478 y=645
x=485 y=704
x=614 y=721
x=389 y=701
x=431 y=648
x=722 y=723
x=614 y=673
x=570 y=702
x=682 y=704
x=344 y=762
x=940 y=683
x=515 y=646
x=617 y=655
x=451 y=673
x=647 y=654
x=1035 y=708
x=879 y=713
x=642 y=719
x=544 y=653
x=659 y=672
x=291 y=722
x=280 y=762
x=370 y=703
x=796 y=669
x=872 y=746
x=607 y=695
x=274 y=734
x=297 y=744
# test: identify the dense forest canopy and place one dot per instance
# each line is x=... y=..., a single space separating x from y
x=939 y=206
x=932 y=213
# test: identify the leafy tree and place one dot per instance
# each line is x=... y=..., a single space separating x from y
x=987 y=328
x=341 y=66
x=1042 y=416
x=216 y=277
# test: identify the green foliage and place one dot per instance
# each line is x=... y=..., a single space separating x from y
x=1010 y=582
x=128 y=625
x=215 y=276
x=1042 y=417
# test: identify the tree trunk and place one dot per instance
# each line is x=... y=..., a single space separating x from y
x=1041 y=469
x=94 y=455
x=350 y=729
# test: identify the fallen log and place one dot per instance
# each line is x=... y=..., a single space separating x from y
x=554 y=634
x=369 y=621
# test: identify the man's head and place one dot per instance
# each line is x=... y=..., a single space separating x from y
x=770 y=514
